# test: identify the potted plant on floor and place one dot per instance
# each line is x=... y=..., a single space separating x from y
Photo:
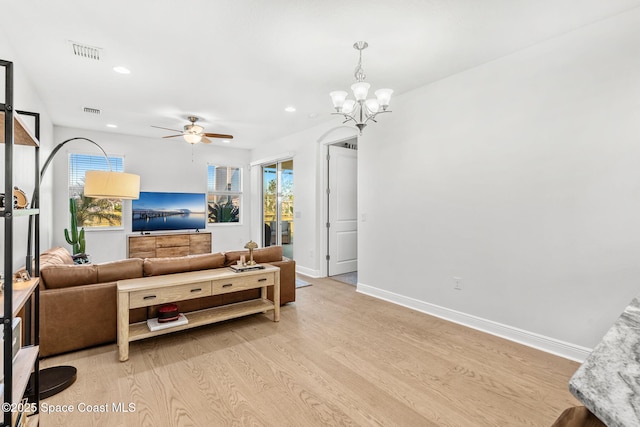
x=75 y=237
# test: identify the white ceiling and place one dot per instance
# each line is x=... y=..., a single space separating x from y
x=238 y=63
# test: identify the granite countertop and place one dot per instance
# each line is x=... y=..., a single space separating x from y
x=608 y=382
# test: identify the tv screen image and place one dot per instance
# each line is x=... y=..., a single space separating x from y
x=155 y=211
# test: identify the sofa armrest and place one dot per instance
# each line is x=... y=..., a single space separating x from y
x=287 y=280
x=77 y=317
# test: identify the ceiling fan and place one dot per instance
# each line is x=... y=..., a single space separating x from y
x=193 y=133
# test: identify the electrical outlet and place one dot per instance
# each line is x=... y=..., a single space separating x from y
x=458 y=281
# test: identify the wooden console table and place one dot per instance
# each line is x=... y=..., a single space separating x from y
x=147 y=291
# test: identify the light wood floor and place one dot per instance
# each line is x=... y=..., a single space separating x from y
x=336 y=358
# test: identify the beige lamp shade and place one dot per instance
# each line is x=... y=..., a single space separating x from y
x=111 y=185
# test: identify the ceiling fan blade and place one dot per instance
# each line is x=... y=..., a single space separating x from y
x=218 y=135
x=172 y=130
x=205 y=140
x=172 y=136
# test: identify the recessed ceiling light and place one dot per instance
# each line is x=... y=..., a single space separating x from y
x=110 y=125
x=313 y=115
x=226 y=141
x=122 y=70
x=290 y=109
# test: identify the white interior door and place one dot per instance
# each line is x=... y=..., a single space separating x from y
x=343 y=210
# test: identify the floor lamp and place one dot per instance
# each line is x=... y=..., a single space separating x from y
x=97 y=184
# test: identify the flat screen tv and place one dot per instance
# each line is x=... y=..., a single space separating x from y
x=155 y=211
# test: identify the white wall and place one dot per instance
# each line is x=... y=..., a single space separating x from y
x=163 y=165
x=522 y=177
x=25 y=99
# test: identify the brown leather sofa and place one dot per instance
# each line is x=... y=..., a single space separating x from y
x=78 y=302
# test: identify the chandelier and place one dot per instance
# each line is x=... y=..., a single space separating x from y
x=361 y=110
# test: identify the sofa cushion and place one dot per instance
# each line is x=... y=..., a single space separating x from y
x=55 y=256
x=119 y=270
x=206 y=261
x=169 y=265
x=260 y=255
x=64 y=276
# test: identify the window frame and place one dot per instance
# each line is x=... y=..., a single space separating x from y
x=89 y=228
x=239 y=193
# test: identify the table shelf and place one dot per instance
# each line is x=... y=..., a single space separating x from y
x=138 y=331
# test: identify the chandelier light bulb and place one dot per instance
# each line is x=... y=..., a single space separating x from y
x=348 y=106
x=384 y=96
x=338 y=97
x=360 y=90
x=372 y=106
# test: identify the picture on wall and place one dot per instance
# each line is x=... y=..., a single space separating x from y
x=155 y=211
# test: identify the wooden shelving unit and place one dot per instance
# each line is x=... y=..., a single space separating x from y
x=19 y=296
x=21 y=133
x=22 y=291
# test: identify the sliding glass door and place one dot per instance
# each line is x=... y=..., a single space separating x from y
x=277 y=205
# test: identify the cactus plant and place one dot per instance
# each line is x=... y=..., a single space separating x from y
x=77 y=237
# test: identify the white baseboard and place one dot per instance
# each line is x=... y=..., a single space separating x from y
x=307 y=271
x=531 y=339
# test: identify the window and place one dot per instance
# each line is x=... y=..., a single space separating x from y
x=90 y=212
x=224 y=194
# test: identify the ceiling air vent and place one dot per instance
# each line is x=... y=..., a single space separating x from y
x=85 y=51
x=92 y=110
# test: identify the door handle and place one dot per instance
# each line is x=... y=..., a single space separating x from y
x=264 y=279
x=196 y=290
x=227 y=285
x=149 y=297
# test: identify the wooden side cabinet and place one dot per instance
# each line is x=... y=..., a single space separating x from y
x=168 y=245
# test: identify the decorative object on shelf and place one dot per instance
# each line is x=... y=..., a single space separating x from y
x=242 y=268
x=23 y=276
x=168 y=313
x=74 y=237
x=155 y=324
x=361 y=110
x=15 y=201
x=19 y=198
x=251 y=245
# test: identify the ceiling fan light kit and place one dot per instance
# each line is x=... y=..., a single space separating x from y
x=360 y=110
x=193 y=133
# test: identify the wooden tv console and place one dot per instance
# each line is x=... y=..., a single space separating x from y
x=168 y=245
x=148 y=291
